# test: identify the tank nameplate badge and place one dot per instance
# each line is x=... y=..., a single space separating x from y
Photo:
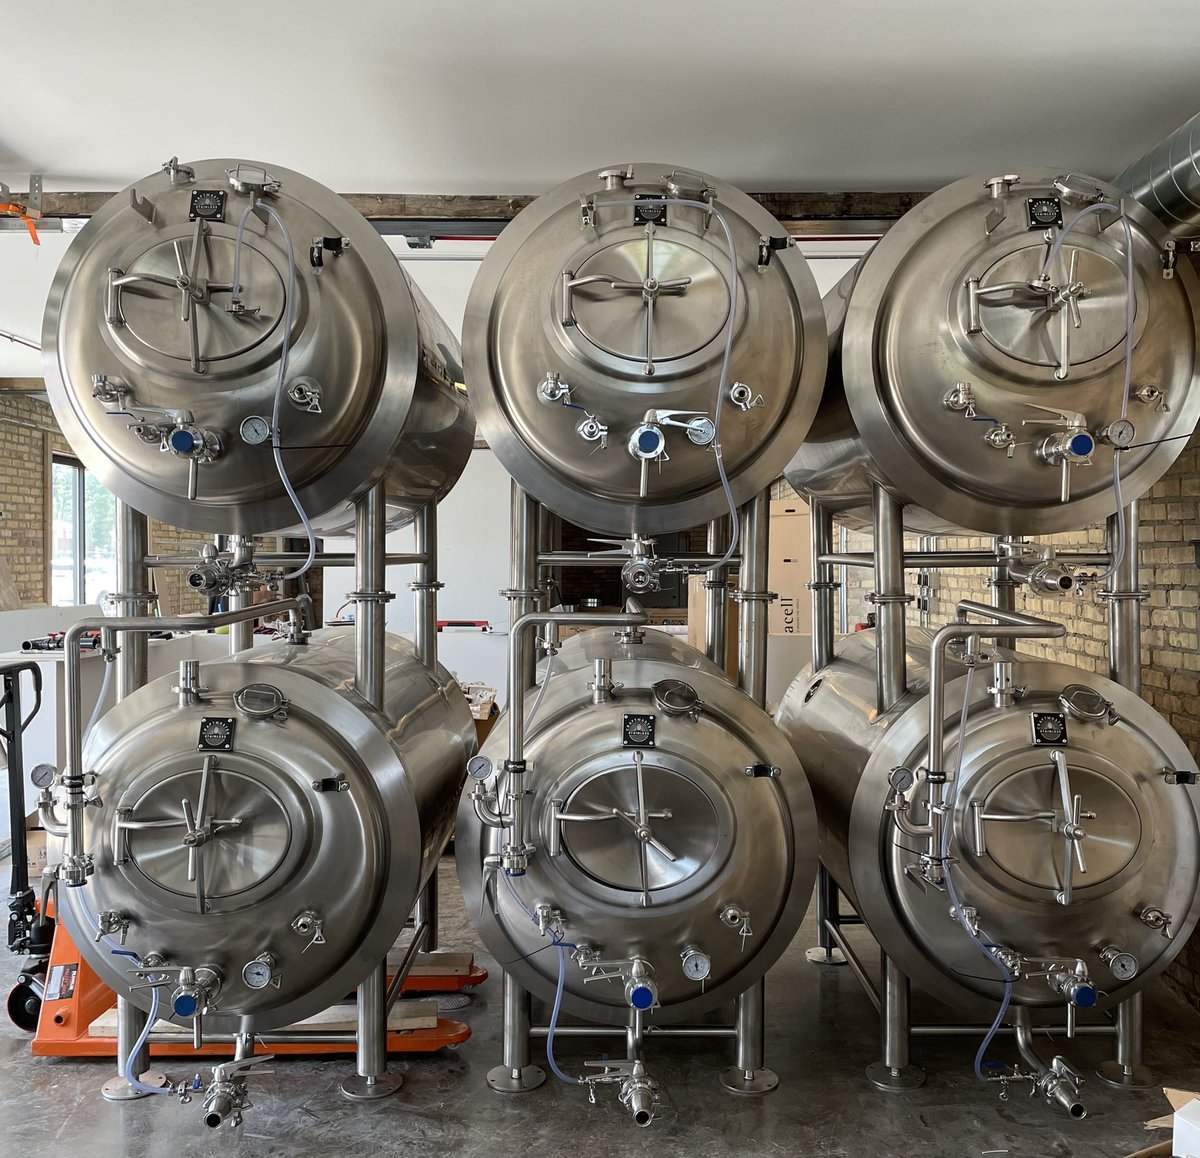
x=1049 y=728
x=216 y=734
x=637 y=730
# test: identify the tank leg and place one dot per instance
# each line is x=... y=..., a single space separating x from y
x=371 y=1079
x=893 y=1073
x=517 y=1074
x=825 y=952
x=427 y=911
x=1126 y=1071
x=130 y=1023
x=748 y=1075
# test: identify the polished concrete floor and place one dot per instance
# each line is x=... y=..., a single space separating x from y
x=821 y=1034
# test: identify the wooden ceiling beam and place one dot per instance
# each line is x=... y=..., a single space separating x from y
x=787 y=206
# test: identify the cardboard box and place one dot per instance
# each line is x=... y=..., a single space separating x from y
x=789 y=568
x=697 y=620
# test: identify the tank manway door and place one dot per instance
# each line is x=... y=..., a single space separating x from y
x=1055 y=825
x=641 y=827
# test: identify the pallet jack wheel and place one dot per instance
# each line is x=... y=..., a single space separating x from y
x=24 y=1005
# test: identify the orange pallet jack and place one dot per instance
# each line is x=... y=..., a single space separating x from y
x=74 y=997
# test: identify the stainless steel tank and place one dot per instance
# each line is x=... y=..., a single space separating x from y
x=673 y=834
x=594 y=340
x=1117 y=801
x=269 y=836
x=164 y=379
x=986 y=397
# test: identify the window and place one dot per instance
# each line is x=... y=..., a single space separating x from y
x=83 y=536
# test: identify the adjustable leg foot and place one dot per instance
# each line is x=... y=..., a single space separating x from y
x=119 y=1090
x=360 y=1088
x=819 y=955
x=750 y=1083
x=506 y=1080
x=1126 y=1077
x=895 y=1081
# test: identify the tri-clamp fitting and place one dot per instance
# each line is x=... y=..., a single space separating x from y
x=641 y=989
x=227 y=1096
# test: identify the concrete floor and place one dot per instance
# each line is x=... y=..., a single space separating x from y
x=821 y=1035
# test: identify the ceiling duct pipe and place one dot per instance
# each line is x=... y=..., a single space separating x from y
x=1166 y=180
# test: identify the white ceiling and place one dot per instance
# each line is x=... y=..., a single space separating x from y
x=492 y=96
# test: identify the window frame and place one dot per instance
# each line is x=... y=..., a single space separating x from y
x=78 y=525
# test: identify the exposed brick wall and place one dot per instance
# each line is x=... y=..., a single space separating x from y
x=29 y=438
x=1170 y=517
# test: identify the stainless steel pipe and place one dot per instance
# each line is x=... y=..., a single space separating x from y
x=955 y=560
x=822 y=585
x=753 y=597
x=716 y=596
x=426 y=585
x=133 y=596
x=369 y=514
x=1124 y=599
x=891 y=676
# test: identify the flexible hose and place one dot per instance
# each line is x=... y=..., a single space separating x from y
x=133 y=1079
x=558 y=996
x=1130 y=312
x=952 y=892
x=98 y=710
x=723 y=380
x=288 y=319
x=537 y=700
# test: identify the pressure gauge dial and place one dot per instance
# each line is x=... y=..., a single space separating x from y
x=697 y=965
x=216 y=734
x=479 y=767
x=1124 y=966
x=43 y=775
x=1119 y=433
x=260 y=972
x=255 y=430
x=1049 y=728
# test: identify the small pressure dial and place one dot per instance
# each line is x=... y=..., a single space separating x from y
x=697 y=965
x=901 y=779
x=216 y=734
x=43 y=775
x=1124 y=966
x=255 y=430
x=1119 y=433
x=1049 y=728
x=260 y=972
x=479 y=767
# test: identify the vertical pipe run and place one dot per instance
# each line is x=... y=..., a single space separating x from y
x=371 y=1078
x=752 y=600
x=369 y=583
x=1125 y=606
x=821 y=535
x=132 y=671
x=891 y=677
x=716 y=595
x=523 y=595
x=133 y=590
x=426 y=587
x=1004 y=589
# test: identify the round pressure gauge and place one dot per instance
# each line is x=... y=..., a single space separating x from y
x=1124 y=966
x=1119 y=433
x=696 y=964
x=255 y=430
x=901 y=779
x=43 y=775
x=479 y=767
x=260 y=972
